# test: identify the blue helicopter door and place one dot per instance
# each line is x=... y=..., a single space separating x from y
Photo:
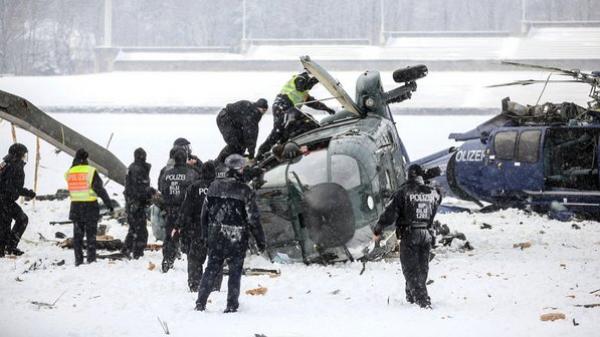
x=499 y=163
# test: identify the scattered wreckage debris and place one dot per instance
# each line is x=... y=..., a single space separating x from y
x=48 y=305
x=261 y=271
x=588 y=306
x=60 y=194
x=109 y=243
x=522 y=245
x=553 y=316
x=257 y=291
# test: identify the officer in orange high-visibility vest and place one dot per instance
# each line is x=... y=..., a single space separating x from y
x=85 y=186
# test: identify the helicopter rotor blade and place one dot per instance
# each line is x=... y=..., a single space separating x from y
x=528 y=82
x=571 y=72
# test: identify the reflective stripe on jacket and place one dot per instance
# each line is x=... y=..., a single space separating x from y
x=79 y=183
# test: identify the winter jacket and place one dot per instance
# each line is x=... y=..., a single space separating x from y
x=12 y=179
x=89 y=211
x=137 y=183
x=229 y=215
x=413 y=206
x=242 y=116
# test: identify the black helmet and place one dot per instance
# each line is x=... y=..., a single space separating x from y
x=81 y=157
x=235 y=162
x=414 y=171
x=185 y=144
x=262 y=103
x=301 y=81
x=17 y=150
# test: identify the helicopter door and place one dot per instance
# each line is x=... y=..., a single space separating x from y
x=526 y=170
x=504 y=143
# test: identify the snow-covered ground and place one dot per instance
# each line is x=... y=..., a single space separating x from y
x=130 y=90
x=493 y=290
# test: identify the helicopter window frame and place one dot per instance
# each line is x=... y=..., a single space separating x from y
x=503 y=153
x=527 y=155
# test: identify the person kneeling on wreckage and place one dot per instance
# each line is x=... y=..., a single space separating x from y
x=229 y=215
x=412 y=208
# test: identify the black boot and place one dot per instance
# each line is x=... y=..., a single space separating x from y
x=200 y=307
x=14 y=251
x=230 y=309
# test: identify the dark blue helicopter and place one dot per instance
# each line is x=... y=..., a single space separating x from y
x=544 y=157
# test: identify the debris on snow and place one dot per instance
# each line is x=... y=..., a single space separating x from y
x=257 y=291
x=553 y=316
x=522 y=245
x=151 y=266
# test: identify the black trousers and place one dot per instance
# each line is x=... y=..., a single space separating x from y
x=414 y=257
x=214 y=267
x=89 y=229
x=196 y=256
x=279 y=111
x=233 y=136
x=137 y=235
x=9 y=211
x=171 y=244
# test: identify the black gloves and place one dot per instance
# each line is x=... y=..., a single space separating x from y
x=30 y=194
x=311 y=83
x=330 y=111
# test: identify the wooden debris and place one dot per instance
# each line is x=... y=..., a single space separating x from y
x=589 y=306
x=553 y=316
x=151 y=266
x=257 y=291
x=522 y=245
x=154 y=246
x=260 y=271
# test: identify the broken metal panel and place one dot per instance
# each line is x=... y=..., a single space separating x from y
x=27 y=116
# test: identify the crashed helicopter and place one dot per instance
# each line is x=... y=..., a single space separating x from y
x=544 y=157
x=318 y=206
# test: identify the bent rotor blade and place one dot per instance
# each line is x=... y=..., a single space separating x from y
x=528 y=82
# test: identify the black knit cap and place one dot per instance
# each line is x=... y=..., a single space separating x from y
x=262 y=103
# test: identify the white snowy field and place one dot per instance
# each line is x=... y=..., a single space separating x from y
x=422 y=135
x=442 y=89
x=493 y=290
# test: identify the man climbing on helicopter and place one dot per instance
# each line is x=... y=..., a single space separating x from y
x=288 y=120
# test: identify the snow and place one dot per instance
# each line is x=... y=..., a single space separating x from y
x=494 y=290
x=439 y=90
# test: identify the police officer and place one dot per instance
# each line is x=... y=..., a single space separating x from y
x=189 y=218
x=238 y=123
x=192 y=159
x=85 y=186
x=138 y=194
x=412 y=208
x=12 y=179
x=293 y=95
x=229 y=216
x=174 y=182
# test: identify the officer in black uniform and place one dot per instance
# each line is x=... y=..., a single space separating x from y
x=12 y=179
x=293 y=95
x=229 y=216
x=238 y=123
x=174 y=182
x=138 y=194
x=412 y=208
x=189 y=218
x=192 y=159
